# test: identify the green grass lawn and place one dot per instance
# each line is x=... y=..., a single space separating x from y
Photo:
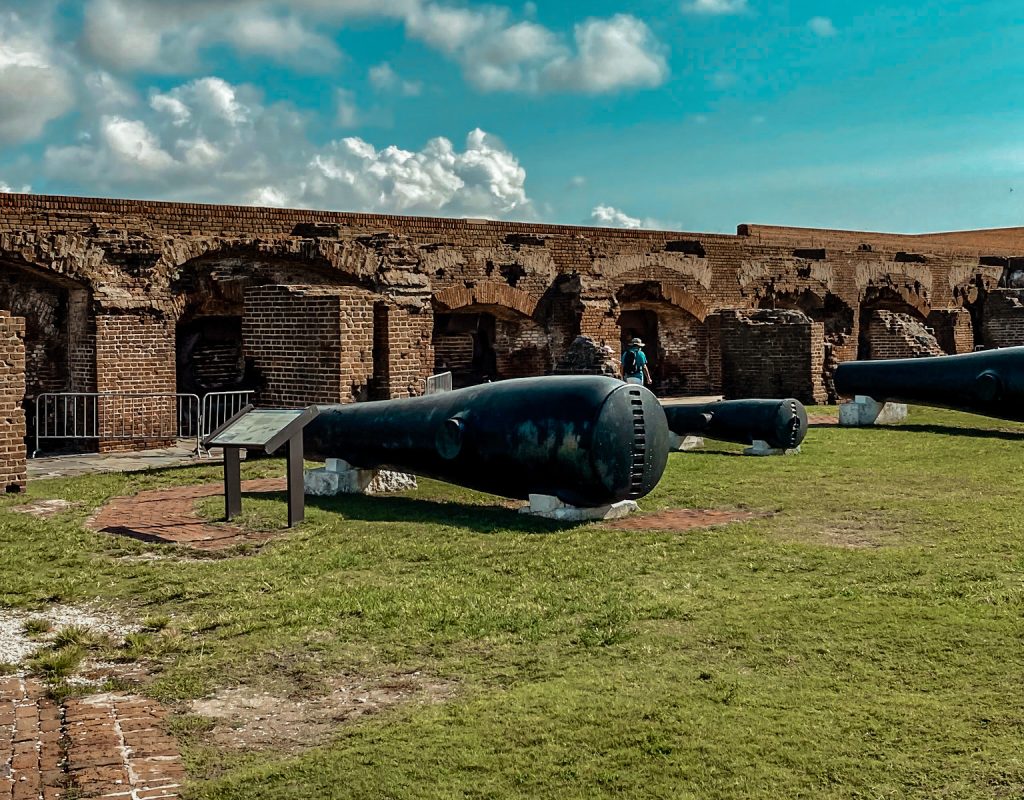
x=864 y=640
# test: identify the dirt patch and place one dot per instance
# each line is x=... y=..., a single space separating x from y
x=44 y=508
x=864 y=531
x=855 y=534
x=682 y=519
x=16 y=643
x=246 y=719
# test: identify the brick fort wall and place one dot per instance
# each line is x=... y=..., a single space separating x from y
x=372 y=304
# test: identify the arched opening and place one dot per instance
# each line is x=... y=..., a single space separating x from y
x=676 y=341
x=60 y=337
x=479 y=343
x=209 y=294
x=892 y=327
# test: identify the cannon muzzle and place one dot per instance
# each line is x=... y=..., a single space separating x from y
x=989 y=382
x=587 y=440
x=780 y=423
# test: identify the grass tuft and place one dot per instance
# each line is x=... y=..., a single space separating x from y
x=36 y=626
x=56 y=664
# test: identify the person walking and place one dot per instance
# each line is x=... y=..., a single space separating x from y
x=634 y=364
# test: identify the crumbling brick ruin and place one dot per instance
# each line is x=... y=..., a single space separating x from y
x=12 y=393
x=304 y=306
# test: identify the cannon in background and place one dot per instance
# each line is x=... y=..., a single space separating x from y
x=989 y=382
x=782 y=424
x=587 y=440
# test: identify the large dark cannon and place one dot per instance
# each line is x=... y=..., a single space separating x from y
x=780 y=423
x=587 y=440
x=989 y=382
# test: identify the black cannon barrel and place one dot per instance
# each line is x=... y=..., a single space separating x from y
x=990 y=382
x=587 y=440
x=780 y=423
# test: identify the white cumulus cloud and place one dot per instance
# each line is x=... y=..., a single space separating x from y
x=35 y=83
x=822 y=26
x=495 y=52
x=214 y=141
x=610 y=54
x=611 y=217
x=714 y=7
x=6 y=188
x=383 y=78
x=284 y=39
x=484 y=179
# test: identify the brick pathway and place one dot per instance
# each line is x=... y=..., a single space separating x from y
x=681 y=519
x=168 y=516
x=821 y=420
x=106 y=745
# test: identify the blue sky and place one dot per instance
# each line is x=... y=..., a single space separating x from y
x=688 y=114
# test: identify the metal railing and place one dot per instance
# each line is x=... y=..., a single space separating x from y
x=438 y=383
x=133 y=417
x=117 y=416
x=218 y=408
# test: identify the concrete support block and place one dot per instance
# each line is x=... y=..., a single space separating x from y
x=683 y=443
x=865 y=411
x=548 y=507
x=340 y=477
x=762 y=448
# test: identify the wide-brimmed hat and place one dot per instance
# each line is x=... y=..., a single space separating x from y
x=637 y=343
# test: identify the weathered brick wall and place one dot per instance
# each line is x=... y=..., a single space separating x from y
x=772 y=354
x=43 y=306
x=175 y=261
x=12 y=394
x=403 y=353
x=135 y=356
x=893 y=335
x=310 y=344
x=1003 y=316
x=954 y=330
x=522 y=348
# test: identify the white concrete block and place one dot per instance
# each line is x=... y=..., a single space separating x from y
x=762 y=448
x=339 y=477
x=683 y=443
x=542 y=505
x=865 y=411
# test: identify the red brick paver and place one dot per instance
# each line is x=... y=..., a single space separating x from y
x=681 y=519
x=31 y=753
x=118 y=749
x=100 y=746
x=168 y=516
x=821 y=420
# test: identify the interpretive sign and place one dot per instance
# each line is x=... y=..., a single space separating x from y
x=264 y=429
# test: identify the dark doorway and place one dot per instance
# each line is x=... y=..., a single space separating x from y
x=209 y=356
x=643 y=324
x=464 y=345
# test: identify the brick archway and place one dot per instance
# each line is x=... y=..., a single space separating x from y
x=488 y=331
x=673 y=295
x=486 y=293
x=671 y=321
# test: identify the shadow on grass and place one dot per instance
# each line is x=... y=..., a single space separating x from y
x=383 y=508
x=953 y=430
x=704 y=451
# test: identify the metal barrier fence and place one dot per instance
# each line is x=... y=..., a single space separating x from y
x=133 y=417
x=438 y=383
x=117 y=417
x=218 y=408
